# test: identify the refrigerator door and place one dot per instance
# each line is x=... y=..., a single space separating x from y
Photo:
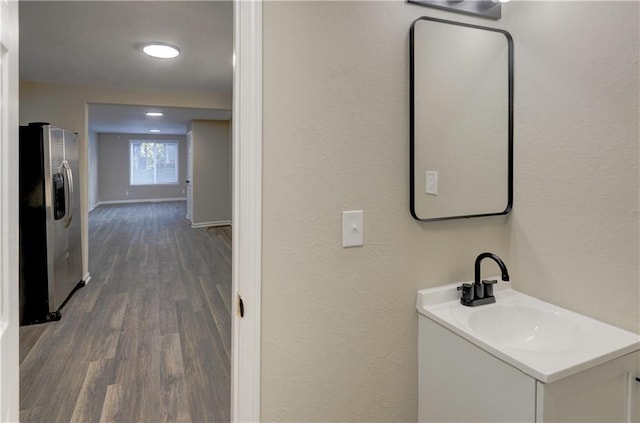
x=58 y=244
x=71 y=155
x=36 y=225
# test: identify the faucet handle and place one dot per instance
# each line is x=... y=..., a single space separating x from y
x=488 y=287
x=467 y=291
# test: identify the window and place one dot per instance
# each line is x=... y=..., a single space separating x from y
x=153 y=162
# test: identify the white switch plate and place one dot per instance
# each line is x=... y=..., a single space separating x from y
x=431 y=182
x=352 y=228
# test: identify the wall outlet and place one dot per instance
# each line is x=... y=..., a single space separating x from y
x=184 y=192
x=126 y=193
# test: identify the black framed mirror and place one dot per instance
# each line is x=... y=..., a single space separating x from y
x=461 y=120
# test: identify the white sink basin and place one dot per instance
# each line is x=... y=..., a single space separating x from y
x=526 y=328
x=542 y=340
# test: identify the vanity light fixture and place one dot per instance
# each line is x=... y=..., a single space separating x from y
x=154 y=114
x=491 y=9
x=161 y=50
x=154 y=130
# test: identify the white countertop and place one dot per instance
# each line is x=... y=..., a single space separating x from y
x=570 y=342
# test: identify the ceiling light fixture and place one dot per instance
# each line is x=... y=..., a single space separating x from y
x=154 y=114
x=491 y=9
x=161 y=50
x=154 y=130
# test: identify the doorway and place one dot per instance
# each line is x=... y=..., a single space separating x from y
x=72 y=122
x=247 y=214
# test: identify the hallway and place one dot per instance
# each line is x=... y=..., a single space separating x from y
x=149 y=338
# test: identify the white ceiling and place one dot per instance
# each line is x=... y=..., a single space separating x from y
x=98 y=43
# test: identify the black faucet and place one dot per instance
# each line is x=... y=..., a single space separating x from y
x=481 y=292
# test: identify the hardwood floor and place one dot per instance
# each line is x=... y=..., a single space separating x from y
x=149 y=338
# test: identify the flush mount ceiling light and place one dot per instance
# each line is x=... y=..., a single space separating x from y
x=154 y=114
x=161 y=50
x=154 y=130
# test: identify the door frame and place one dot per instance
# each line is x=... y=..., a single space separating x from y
x=9 y=315
x=247 y=217
x=247 y=211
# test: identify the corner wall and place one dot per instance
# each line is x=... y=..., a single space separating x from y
x=211 y=172
x=574 y=237
x=92 y=168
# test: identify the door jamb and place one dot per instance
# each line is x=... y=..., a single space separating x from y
x=9 y=198
x=247 y=211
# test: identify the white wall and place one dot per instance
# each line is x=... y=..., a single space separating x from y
x=574 y=230
x=93 y=180
x=339 y=326
x=113 y=169
x=211 y=172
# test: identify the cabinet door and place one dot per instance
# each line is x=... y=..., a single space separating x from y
x=459 y=382
x=633 y=393
x=606 y=393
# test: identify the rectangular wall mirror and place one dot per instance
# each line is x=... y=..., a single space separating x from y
x=461 y=134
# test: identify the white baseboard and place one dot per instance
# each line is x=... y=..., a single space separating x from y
x=86 y=278
x=142 y=200
x=208 y=224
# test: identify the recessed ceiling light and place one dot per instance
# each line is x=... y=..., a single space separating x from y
x=154 y=130
x=154 y=114
x=161 y=50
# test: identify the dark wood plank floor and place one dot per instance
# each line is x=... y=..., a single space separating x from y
x=148 y=339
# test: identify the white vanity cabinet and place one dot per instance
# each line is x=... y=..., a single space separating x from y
x=605 y=393
x=460 y=382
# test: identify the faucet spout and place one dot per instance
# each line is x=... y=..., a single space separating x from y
x=481 y=292
x=498 y=260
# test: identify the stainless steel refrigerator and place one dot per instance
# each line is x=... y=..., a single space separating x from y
x=50 y=244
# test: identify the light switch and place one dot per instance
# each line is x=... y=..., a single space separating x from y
x=352 y=228
x=431 y=183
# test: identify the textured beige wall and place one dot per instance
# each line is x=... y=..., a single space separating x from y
x=113 y=169
x=339 y=325
x=574 y=230
x=65 y=106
